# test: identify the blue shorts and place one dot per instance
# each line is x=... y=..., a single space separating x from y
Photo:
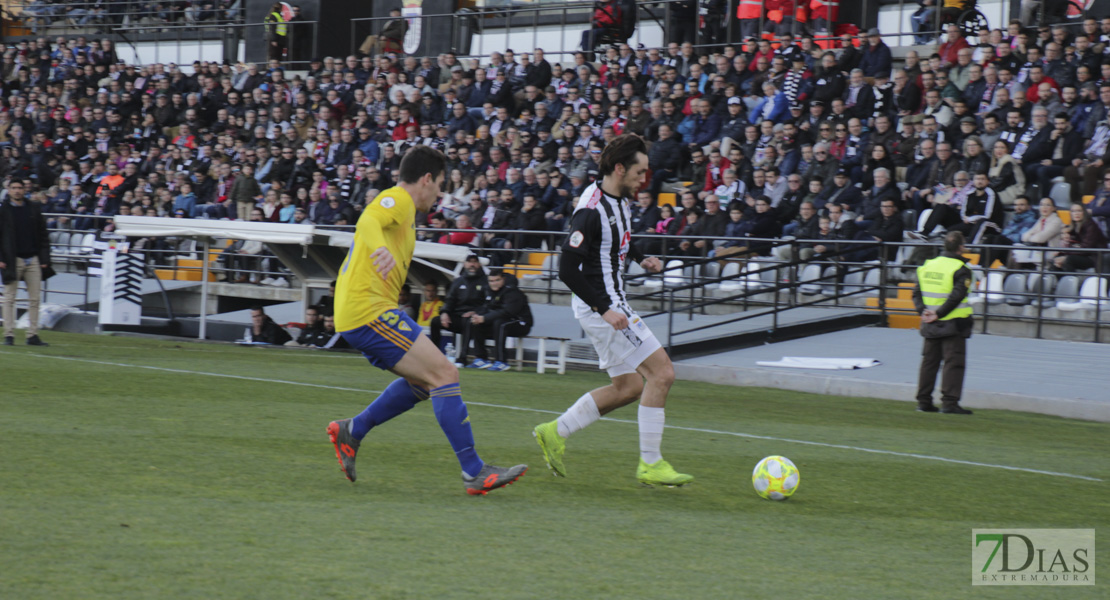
x=385 y=340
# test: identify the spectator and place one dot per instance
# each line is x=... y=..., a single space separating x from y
x=607 y=17
x=1022 y=220
x=876 y=57
x=391 y=37
x=329 y=338
x=1082 y=232
x=949 y=50
x=464 y=298
x=505 y=313
x=264 y=330
x=24 y=256
x=405 y=301
x=430 y=306
x=312 y=327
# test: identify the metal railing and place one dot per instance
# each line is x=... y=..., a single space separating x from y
x=299 y=51
x=863 y=274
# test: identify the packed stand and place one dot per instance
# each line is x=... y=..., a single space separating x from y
x=778 y=137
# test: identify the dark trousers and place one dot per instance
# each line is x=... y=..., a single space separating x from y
x=499 y=329
x=658 y=178
x=1045 y=175
x=943 y=214
x=952 y=351
x=458 y=325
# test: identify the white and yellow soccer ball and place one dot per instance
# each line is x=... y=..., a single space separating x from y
x=775 y=478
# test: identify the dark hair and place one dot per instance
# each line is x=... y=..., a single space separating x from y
x=953 y=241
x=621 y=151
x=420 y=161
x=495 y=272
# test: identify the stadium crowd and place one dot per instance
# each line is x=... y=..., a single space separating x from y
x=778 y=136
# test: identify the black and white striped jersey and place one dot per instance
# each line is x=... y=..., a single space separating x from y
x=601 y=235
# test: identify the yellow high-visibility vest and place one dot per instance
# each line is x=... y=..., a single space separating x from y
x=935 y=278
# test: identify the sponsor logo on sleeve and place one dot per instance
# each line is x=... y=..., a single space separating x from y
x=576 y=239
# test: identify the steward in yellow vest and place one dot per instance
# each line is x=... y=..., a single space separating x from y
x=941 y=297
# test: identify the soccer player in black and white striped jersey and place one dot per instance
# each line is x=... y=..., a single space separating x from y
x=591 y=265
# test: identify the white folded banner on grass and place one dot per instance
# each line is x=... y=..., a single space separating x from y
x=830 y=364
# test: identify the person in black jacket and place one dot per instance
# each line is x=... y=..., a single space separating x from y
x=264 y=330
x=1064 y=145
x=24 y=253
x=887 y=228
x=465 y=296
x=505 y=314
x=664 y=158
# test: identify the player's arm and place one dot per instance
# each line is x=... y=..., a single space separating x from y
x=651 y=264
x=372 y=227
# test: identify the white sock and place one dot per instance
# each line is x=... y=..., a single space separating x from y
x=578 y=416
x=651 y=433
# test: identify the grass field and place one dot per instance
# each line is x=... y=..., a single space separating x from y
x=122 y=481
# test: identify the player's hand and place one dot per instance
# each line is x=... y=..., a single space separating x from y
x=652 y=264
x=383 y=261
x=616 y=319
x=3 y=265
x=445 y=320
x=928 y=316
x=477 y=319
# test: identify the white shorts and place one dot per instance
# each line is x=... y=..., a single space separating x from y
x=620 y=352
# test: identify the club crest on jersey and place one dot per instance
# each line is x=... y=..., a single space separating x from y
x=576 y=239
x=387 y=202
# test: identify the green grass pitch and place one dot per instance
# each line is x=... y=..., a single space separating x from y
x=119 y=481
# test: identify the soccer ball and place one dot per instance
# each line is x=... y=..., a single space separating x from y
x=775 y=478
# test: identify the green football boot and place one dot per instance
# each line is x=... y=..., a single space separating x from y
x=553 y=446
x=661 y=473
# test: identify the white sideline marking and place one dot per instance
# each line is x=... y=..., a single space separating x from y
x=553 y=412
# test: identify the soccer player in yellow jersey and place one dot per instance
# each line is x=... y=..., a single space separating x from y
x=367 y=316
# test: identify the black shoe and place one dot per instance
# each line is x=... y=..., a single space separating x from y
x=927 y=408
x=9 y=340
x=955 y=409
x=35 y=341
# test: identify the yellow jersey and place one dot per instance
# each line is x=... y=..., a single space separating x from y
x=428 y=311
x=361 y=295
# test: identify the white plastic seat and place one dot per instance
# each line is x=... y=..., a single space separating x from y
x=1061 y=193
x=1015 y=288
x=674 y=275
x=1067 y=290
x=809 y=276
x=828 y=281
x=873 y=279
x=1044 y=286
x=731 y=273
x=87 y=244
x=1091 y=294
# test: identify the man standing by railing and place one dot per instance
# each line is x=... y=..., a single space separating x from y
x=24 y=253
x=946 y=323
x=277 y=33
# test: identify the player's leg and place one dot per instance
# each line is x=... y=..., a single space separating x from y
x=658 y=373
x=384 y=342
x=613 y=348
x=426 y=366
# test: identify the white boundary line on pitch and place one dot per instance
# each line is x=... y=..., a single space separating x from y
x=553 y=412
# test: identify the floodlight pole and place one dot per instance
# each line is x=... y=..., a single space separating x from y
x=204 y=291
